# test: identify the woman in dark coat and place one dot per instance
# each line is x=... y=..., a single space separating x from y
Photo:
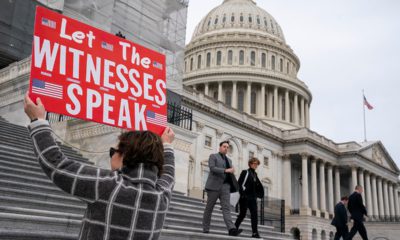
x=250 y=189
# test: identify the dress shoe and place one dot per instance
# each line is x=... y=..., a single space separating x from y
x=255 y=235
x=234 y=231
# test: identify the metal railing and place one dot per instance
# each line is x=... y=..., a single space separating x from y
x=272 y=213
x=177 y=115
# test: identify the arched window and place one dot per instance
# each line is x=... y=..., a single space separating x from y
x=253 y=102
x=281 y=64
x=258 y=20
x=240 y=100
x=219 y=57
x=265 y=23
x=209 y=22
x=208 y=59
x=230 y=57
x=228 y=98
x=273 y=62
x=215 y=95
x=232 y=18
x=191 y=64
x=263 y=60
x=185 y=66
x=199 y=62
x=253 y=58
x=216 y=20
x=241 y=57
x=241 y=18
x=224 y=19
x=250 y=19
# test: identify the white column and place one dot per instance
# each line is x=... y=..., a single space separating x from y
x=307 y=112
x=368 y=193
x=280 y=108
x=380 y=195
x=234 y=95
x=353 y=178
x=337 y=185
x=304 y=174
x=287 y=106
x=296 y=109
x=396 y=200
x=270 y=100
x=220 y=91
x=287 y=180
x=262 y=103
x=322 y=191
x=386 y=199
x=374 y=197
x=276 y=103
x=391 y=201
x=248 y=98
x=314 y=190
x=361 y=182
x=303 y=123
x=330 y=190
x=206 y=89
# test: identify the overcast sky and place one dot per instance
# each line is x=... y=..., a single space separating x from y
x=343 y=46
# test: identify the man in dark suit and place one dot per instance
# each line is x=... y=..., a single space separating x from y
x=357 y=211
x=220 y=183
x=340 y=219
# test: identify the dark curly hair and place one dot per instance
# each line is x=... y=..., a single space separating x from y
x=141 y=147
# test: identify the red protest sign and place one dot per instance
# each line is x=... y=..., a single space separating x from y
x=83 y=72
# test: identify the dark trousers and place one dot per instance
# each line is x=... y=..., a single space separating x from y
x=244 y=204
x=342 y=231
x=360 y=228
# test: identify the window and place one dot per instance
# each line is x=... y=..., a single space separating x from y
x=287 y=67
x=241 y=18
x=219 y=57
x=273 y=62
x=185 y=66
x=207 y=141
x=216 y=20
x=199 y=62
x=209 y=22
x=250 y=19
x=263 y=60
x=251 y=155
x=215 y=95
x=266 y=161
x=240 y=100
x=191 y=64
x=258 y=20
x=224 y=19
x=208 y=59
x=253 y=58
x=228 y=98
x=281 y=64
x=265 y=23
x=230 y=56
x=241 y=57
x=253 y=102
x=232 y=18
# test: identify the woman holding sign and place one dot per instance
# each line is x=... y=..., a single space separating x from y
x=128 y=202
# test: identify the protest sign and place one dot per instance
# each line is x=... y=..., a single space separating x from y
x=83 y=72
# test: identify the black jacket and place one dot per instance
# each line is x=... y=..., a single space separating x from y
x=252 y=187
x=340 y=218
x=356 y=207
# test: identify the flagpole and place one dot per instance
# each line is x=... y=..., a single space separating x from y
x=365 y=129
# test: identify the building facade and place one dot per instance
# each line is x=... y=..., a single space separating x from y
x=240 y=80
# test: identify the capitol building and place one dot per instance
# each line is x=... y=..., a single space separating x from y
x=238 y=77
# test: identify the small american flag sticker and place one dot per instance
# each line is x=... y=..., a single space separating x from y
x=157 y=65
x=49 y=23
x=156 y=118
x=47 y=89
x=107 y=46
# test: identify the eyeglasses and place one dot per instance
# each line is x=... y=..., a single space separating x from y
x=113 y=151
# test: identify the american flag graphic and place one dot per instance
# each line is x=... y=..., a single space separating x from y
x=49 y=23
x=107 y=46
x=47 y=89
x=157 y=65
x=155 y=118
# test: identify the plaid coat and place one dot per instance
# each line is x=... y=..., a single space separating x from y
x=125 y=204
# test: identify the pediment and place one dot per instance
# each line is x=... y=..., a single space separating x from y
x=377 y=153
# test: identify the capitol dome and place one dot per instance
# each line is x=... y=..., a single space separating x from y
x=238 y=55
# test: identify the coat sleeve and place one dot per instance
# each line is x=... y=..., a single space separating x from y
x=212 y=163
x=343 y=215
x=361 y=205
x=167 y=179
x=81 y=180
x=241 y=180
